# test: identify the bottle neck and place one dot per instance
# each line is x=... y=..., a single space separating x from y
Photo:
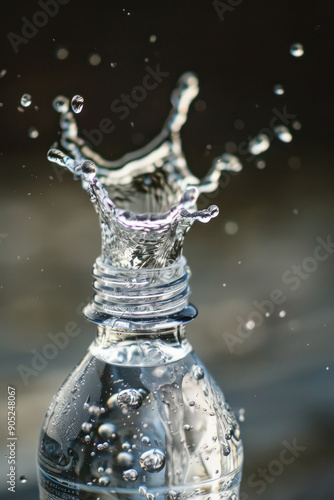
x=140 y=300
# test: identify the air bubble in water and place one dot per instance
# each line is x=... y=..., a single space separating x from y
x=152 y=460
x=77 y=103
x=33 y=132
x=283 y=133
x=61 y=104
x=296 y=50
x=198 y=372
x=23 y=479
x=125 y=459
x=259 y=144
x=130 y=475
x=26 y=100
x=129 y=398
x=278 y=89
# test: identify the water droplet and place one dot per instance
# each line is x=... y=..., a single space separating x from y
x=242 y=415
x=226 y=450
x=61 y=104
x=77 y=103
x=231 y=228
x=239 y=124
x=130 y=475
x=86 y=426
x=278 y=89
x=23 y=479
x=129 y=398
x=33 y=133
x=283 y=133
x=191 y=403
x=327 y=368
x=282 y=314
x=113 y=64
x=104 y=480
x=62 y=53
x=153 y=38
x=94 y=59
x=187 y=427
x=198 y=372
x=2 y=73
x=145 y=440
x=260 y=164
x=250 y=325
x=126 y=446
x=125 y=459
x=296 y=50
x=297 y=125
x=107 y=431
x=26 y=100
x=259 y=144
x=152 y=460
x=142 y=490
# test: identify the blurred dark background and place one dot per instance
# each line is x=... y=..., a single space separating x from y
x=281 y=375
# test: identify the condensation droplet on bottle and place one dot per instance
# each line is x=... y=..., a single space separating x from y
x=283 y=133
x=296 y=50
x=198 y=372
x=278 y=89
x=130 y=399
x=130 y=475
x=26 y=100
x=226 y=450
x=62 y=53
x=107 y=431
x=142 y=490
x=33 y=132
x=152 y=460
x=191 y=403
x=145 y=440
x=259 y=144
x=61 y=104
x=77 y=103
x=104 y=480
x=23 y=479
x=187 y=427
x=125 y=459
x=296 y=125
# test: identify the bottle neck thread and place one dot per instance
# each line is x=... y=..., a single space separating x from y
x=140 y=299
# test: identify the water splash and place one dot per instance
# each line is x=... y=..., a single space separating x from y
x=146 y=200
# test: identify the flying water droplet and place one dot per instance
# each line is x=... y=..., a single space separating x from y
x=129 y=398
x=152 y=460
x=104 y=480
x=278 y=89
x=153 y=38
x=231 y=228
x=94 y=59
x=61 y=104
x=23 y=479
x=77 y=103
x=33 y=133
x=296 y=50
x=283 y=133
x=259 y=144
x=242 y=415
x=282 y=314
x=62 y=53
x=26 y=100
x=191 y=403
x=130 y=475
x=260 y=164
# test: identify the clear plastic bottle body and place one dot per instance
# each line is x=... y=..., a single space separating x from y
x=140 y=416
